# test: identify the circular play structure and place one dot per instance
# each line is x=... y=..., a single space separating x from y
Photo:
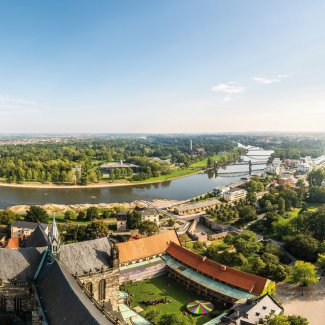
x=200 y=307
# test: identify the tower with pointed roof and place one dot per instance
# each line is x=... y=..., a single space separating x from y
x=54 y=240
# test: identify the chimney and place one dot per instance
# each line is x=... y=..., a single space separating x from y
x=203 y=259
x=223 y=268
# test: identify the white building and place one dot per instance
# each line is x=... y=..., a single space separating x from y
x=235 y=194
x=150 y=215
x=304 y=167
x=274 y=168
x=220 y=190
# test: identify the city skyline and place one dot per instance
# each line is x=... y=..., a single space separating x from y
x=162 y=67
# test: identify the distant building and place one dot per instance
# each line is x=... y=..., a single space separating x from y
x=150 y=215
x=221 y=190
x=286 y=181
x=235 y=194
x=121 y=221
x=274 y=167
x=106 y=168
x=196 y=207
x=304 y=167
x=23 y=229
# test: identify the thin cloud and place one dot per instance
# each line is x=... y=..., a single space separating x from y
x=268 y=81
x=230 y=90
x=13 y=105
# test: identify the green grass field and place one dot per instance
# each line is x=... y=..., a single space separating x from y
x=163 y=287
x=176 y=173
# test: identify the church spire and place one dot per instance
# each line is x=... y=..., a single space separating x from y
x=54 y=240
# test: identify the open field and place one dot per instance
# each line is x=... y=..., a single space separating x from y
x=163 y=287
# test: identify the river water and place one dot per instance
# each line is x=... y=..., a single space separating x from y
x=179 y=189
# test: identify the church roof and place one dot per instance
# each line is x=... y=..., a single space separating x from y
x=83 y=256
x=62 y=299
x=38 y=238
x=225 y=274
x=145 y=247
x=19 y=264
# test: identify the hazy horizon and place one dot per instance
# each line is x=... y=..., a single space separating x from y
x=169 y=67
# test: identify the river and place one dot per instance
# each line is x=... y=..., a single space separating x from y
x=178 y=189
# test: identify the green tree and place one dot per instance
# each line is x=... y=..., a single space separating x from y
x=277 y=320
x=281 y=205
x=170 y=222
x=303 y=273
x=81 y=216
x=7 y=217
x=303 y=246
x=69 y=215
x=37 y=214
x=297 y=320
x=247 y=214
x=148 y=228
x=247 y=243
x=96 y=229
x=133 y=220
x=321 y=261
x=92 y=213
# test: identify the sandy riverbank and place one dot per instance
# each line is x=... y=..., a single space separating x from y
x=98 y=185
x=59 y=209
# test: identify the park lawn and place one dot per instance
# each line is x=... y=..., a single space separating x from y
x=190 y=244
x=164 y=287
x=174 y=174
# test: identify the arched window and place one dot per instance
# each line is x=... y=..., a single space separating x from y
x=89 y=287
x=102 y=289
x=3 y=304
x=17 y=304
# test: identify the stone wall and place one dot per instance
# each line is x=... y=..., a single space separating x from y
x=111 y=289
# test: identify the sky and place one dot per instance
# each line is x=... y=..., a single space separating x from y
x=165 y=66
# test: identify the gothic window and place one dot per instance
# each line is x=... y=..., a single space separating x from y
x=2 y=304
x=17 y=304
x=89 y=287
x=101 y=289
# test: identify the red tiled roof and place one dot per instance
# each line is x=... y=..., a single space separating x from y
x=245 y=281
x=13 y=243
x=145 y=247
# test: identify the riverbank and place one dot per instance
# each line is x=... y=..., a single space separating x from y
x=59 y=209
x=153 y=180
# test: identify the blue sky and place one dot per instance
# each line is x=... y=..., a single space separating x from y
x=162 y=66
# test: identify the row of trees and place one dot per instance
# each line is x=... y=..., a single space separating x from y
x=54 y=162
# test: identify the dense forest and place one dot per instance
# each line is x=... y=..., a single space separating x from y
x=57 y=161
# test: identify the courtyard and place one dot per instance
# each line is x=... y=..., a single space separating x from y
x=163 y=287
